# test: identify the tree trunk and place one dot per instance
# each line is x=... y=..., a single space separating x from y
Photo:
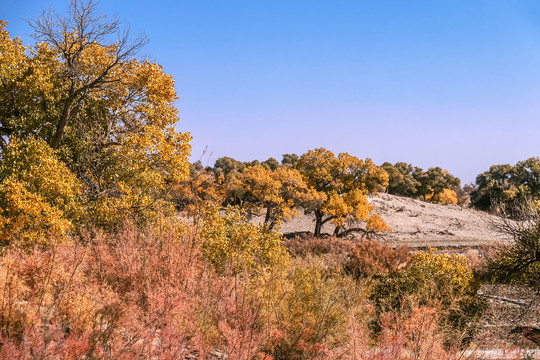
x=318 y=223
x=66 y=116
x=267 y=217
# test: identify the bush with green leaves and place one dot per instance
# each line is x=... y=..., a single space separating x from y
x=432 y=185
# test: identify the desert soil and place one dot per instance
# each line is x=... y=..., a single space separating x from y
x=419 y=224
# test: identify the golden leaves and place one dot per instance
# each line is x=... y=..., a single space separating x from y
x=233 y=244
x=447 y=196
x=38 y=193
x=121 y=139
x=343 y=182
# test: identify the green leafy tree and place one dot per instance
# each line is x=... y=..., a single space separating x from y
x=400 y=179
x=271 y=164
x=228 y=167
x=290 y=160
x=508 y=186
x=434 y=183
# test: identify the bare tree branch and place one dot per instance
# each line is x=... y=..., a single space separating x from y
x=71 y=36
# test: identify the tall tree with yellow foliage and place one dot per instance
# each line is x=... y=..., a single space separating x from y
x=342 y=183
x=108 y=116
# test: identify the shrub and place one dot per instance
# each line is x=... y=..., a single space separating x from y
x=123 y=296
x=520 y=261
x=370 y=257
x=234 y=245
x=305 y=245
x=438 y=279
x=307 y=312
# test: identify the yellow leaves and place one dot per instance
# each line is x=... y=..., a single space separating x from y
x=447 y=196
x=279 y=192
x=232 y=244
x=319 y=168
x=121 y=139
x=38 y=194
x=353 y=207
x=27 y=217
x=376 y=223
x=260 y=183
x=449 y=271
x=338 y=209
x=342 y=184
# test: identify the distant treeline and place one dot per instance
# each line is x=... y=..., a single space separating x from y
x=502 y=186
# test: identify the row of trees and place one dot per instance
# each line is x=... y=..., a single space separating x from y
x=508 y=186
x=314 y=183
x=435 y=185
x=331 y=187
x=502 y=186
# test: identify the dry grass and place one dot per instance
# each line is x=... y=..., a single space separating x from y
x=151 y=294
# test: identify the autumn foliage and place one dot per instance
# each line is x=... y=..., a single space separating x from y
x=102 y=121
x=38 y=194
x=113 y=246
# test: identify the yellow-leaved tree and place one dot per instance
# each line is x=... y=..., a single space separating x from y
x=201 y=189
x=446 y=196
x=38 y=194
x=342 y=183
x=277 y=194
x=106 y=115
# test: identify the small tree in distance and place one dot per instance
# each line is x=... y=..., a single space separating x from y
x=435 y=185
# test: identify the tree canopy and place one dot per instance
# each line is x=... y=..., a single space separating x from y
x=435 y=185
x=99 y=113
x=342 y=183
x=508 y=186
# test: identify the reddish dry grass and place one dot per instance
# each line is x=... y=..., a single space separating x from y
x=127 y=296
x=152 y=295
x=305 y=245
x=370 y=257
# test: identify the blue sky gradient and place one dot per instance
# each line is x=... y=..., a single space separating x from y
x=443 y=83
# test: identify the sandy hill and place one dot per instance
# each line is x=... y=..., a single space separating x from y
x=420 y=224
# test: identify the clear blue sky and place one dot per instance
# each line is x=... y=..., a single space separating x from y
x=443 y=83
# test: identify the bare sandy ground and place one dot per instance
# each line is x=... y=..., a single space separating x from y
x=420 y=224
